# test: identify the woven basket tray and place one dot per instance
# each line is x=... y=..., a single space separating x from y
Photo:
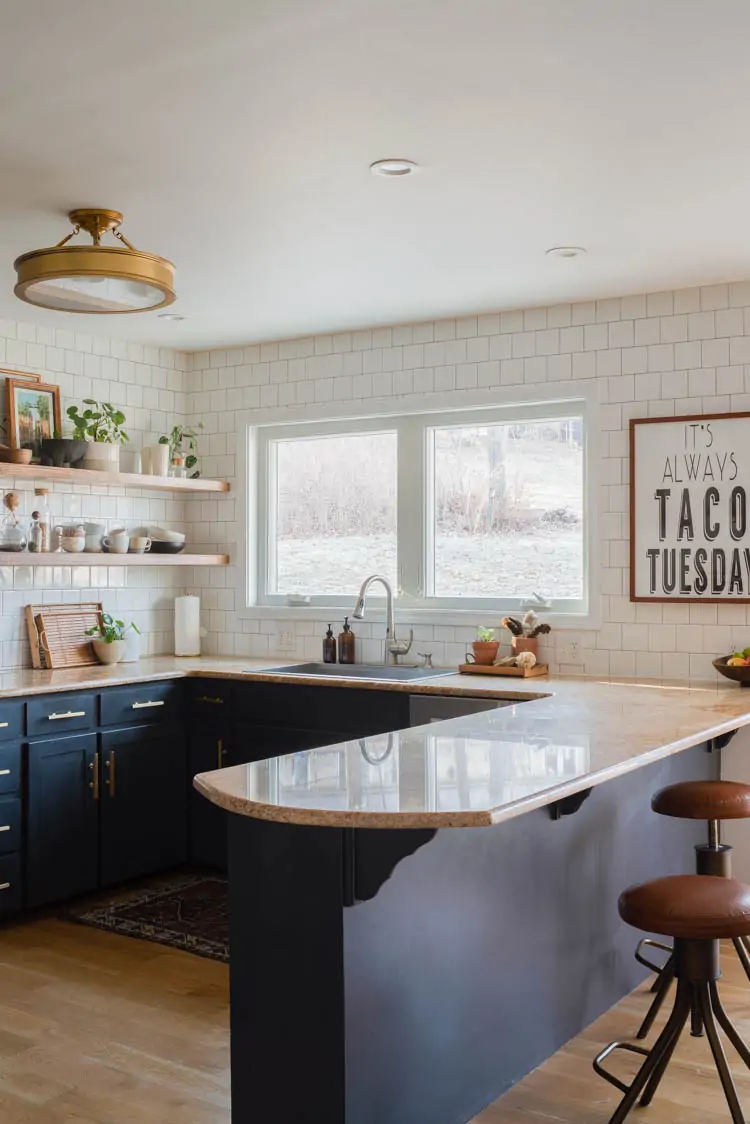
x=57 y=634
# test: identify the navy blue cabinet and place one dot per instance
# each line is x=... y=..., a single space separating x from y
x=62 y=828
x=143 y=820
x=208 y=749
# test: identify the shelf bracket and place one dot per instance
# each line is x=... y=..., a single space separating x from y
x=720 y=742
x=569 y=805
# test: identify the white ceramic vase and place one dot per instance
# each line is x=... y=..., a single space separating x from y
x=109 y=653
x=102 y=457
x=132 y=647
x=159 y=460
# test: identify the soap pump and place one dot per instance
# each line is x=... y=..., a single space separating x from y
x=346 y=643
x=329 y=647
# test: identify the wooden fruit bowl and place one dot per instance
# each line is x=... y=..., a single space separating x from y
x=739 y=675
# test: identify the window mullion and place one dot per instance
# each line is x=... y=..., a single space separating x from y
x=410 y=519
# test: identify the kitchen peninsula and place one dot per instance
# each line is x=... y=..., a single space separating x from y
x=392 y=964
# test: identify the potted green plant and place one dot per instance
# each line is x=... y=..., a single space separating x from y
x=183 y=449
x=101 y=426
x=485 y=646
x=108 y=639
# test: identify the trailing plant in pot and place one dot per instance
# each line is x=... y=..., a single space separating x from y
x=109 y=640
x=101 y=424
x=183 y=450
x=485 y=646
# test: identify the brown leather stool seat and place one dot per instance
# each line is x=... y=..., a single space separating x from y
x=691 y=906
x=704 y=800
x=697 y=911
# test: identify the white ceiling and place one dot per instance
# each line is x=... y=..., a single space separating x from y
x=236 y=136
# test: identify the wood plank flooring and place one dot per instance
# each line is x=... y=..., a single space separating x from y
x=101 y=1029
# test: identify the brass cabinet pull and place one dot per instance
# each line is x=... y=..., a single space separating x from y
x=220 y=754
x=4 y=725
x=4 y=885
x=145 y=705
x=94 y=782
x=67 y=714
x=5 y=827
x=4 y=772
x=110 y=763
x=209 y=699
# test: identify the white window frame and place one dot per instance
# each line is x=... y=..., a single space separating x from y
x=412 y=606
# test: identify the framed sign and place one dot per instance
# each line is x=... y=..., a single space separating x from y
x=689 y=483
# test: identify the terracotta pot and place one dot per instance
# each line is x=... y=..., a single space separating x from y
x=525 y=644
x=485 y=651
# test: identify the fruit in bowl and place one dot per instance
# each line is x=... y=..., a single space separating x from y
x=735 y=667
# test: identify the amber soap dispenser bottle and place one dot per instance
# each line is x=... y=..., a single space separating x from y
x=346 y=644
x=329 y=647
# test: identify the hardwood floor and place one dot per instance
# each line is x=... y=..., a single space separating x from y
x=101 y=1029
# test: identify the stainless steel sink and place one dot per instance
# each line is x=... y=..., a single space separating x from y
x=392 y=674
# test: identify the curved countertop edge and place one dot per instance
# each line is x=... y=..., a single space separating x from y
x=215 y=787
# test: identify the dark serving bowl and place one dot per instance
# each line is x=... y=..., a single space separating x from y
x=159 y=546
x=739 y=675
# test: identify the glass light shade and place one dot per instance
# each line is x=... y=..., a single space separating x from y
x=95 y=279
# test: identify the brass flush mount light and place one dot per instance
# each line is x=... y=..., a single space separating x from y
x=95 y=279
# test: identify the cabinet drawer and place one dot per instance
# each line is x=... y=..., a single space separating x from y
x=210 y=698
x=10 y=826
x=10 y=768
x=11 y=719
x=10 y=883
x=146 y=702
x=48 y=715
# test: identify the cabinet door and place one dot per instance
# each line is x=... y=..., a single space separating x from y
x=256 y=743
x=62 y=854
x=207 y=750
x=143 y=825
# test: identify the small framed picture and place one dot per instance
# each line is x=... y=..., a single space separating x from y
x=33 y=414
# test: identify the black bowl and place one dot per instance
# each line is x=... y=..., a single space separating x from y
x=63 y=451
x=158 y=546
x=736 y=674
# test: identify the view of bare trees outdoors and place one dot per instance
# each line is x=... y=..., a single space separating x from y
x=507 y=519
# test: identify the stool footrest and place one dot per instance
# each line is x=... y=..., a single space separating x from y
x=646 y=942
x=602 y=1057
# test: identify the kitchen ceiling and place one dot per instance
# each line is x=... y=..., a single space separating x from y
x=237 y=137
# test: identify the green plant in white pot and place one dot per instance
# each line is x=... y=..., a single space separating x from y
x=101 y=425
x=108 y=641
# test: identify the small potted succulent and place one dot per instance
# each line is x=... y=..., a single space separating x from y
x=526 y=632
x=183 y=450
x=109 y=642
x=485 y=646
x=101 y=426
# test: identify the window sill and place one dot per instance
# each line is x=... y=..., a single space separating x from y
x=458 y=618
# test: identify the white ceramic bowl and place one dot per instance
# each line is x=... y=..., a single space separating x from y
x=161 y=534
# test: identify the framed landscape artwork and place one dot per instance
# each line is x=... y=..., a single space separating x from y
x=689 y=479
x=33 y=414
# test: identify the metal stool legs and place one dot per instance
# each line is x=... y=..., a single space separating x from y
x=697 y=969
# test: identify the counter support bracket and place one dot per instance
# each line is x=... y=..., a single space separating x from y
x=721 y=742
x=569 y=805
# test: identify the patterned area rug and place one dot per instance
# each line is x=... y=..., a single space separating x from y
x=186 y=910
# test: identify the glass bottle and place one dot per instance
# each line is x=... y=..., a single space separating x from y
x=45 y=520
x=36 y=534
x=346 y=643
x=12 y=534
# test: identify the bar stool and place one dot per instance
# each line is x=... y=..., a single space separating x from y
x=697 y=911
x=713 y=801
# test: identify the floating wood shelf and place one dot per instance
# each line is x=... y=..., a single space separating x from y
x=53 y=558
x=114 y=479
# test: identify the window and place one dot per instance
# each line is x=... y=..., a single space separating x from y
x=459 y=510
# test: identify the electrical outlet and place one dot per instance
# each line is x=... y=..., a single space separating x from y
x=286 y=640
x=571 y=653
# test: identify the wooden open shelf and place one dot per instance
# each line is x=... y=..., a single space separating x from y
x=53 y=558
x=114 y=479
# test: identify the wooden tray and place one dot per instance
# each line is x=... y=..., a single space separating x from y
x=57 y=634
x=514 y=672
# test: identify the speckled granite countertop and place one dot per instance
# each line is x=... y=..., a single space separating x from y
x=559 y=737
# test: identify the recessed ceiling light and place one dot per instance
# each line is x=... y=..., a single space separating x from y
x=393 y=167
x=565 y=251
x=171 y=316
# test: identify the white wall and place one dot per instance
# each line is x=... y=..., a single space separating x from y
x=148 y=384
x=657 y=354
